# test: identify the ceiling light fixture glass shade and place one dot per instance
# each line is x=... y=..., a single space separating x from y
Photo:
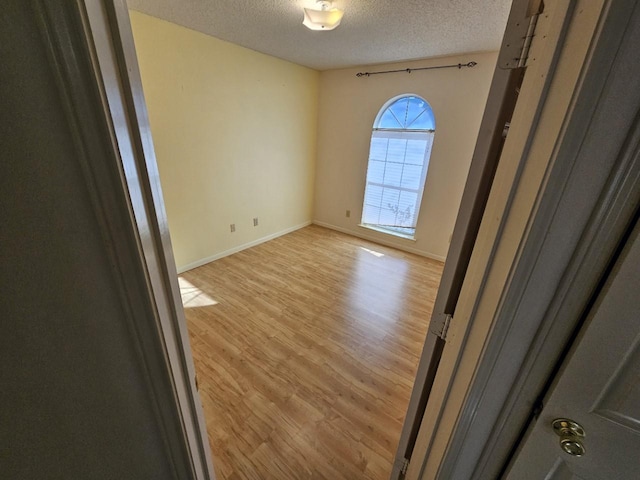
x=326 y=18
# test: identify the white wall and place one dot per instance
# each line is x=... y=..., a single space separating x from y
x=347 y=108
x=235 y=138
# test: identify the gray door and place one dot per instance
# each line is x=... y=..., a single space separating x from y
x=598 y=388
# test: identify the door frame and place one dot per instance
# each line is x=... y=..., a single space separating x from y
x=501 y=100
x=108 y=36
x=544 y=241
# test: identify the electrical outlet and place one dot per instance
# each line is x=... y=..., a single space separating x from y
x=348 y=214
x=255 y=222
x=233 y=227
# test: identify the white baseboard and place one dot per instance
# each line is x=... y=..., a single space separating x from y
x=371 y=238
x=231 y=251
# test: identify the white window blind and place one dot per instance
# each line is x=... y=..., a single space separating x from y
x=398 y=164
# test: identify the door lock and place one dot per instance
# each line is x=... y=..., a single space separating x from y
x=571 y=435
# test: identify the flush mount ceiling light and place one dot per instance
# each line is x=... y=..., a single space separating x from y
x=326 y=18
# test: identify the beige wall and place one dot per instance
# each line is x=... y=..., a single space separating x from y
x=235 y=137
x=347 y=108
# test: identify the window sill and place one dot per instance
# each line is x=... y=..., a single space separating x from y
x=388 y=232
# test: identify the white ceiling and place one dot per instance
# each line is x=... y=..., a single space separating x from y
x=372 y=31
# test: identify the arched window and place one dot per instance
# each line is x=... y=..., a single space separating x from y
x=398 y=161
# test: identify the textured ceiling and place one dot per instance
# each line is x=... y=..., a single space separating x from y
x=372 y=31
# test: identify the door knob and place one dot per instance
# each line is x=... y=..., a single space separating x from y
x=571 y=434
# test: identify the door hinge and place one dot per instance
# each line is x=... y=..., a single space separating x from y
x=405 y=466
x=440 y=325
x=517 y=43
x=445 y=328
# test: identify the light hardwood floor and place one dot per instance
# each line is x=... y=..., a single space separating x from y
x=306 y=361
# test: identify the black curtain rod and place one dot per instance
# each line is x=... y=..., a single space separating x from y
x=409 y=70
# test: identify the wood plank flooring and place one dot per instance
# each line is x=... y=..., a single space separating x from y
x=306 y=349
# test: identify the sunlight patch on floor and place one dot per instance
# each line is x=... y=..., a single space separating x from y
x=372 y=252
x=192 y=296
